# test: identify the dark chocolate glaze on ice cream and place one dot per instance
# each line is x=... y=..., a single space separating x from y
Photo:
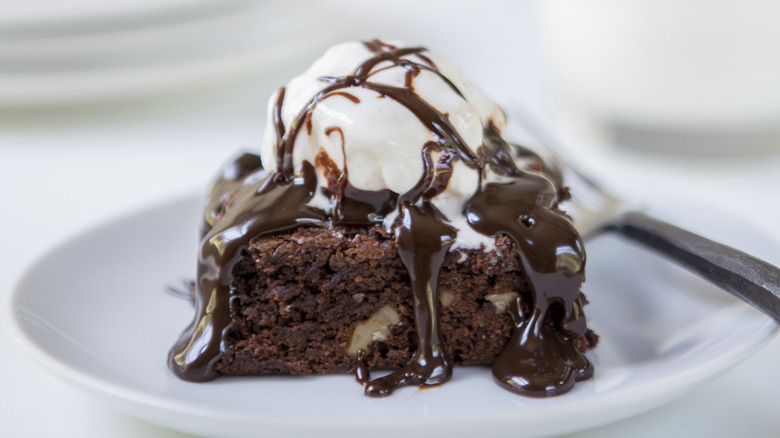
x=248 y=202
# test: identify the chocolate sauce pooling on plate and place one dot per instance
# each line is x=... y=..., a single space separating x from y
x=248 y=202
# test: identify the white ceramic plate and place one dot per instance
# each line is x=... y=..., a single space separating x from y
x=117 y=51
x=41 y=15
x=95 y=312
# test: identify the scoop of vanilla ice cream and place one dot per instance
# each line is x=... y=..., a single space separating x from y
x=378 y=139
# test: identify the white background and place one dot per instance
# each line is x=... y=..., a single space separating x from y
x=90 y=157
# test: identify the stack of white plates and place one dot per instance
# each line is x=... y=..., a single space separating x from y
x=70 y=51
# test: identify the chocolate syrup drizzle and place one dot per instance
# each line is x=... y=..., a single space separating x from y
x=248 y=202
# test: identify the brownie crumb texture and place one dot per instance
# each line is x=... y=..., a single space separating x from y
x=304 y=302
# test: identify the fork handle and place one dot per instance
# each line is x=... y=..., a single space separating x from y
x=752 y=280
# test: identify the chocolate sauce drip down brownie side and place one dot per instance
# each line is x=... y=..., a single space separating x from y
x=377 y=280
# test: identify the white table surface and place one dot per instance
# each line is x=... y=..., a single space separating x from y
x=68 y=168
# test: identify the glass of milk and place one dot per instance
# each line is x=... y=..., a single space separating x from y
x=703 y=75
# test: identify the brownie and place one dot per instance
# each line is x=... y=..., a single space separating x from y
x=301 y=298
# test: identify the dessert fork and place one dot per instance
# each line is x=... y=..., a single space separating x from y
x=596 y=211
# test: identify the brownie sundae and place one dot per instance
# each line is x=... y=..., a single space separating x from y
x=386 y=224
